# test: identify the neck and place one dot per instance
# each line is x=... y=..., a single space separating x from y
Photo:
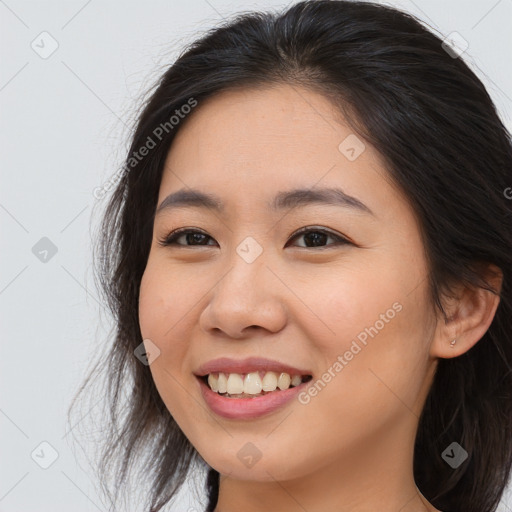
x=376 y=475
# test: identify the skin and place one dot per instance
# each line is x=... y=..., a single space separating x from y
x=351 y=447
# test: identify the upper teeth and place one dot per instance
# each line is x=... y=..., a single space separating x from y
x=253 y=383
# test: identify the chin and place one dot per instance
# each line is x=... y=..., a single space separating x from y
x=244 y=460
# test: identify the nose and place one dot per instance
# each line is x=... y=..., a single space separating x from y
x=249 y=296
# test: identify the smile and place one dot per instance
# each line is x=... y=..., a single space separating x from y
x=254 y=384
x=246 y=389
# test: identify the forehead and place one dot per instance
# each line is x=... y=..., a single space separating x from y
x=244 y=121
x=254 y=142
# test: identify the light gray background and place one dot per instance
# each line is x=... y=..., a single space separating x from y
x=63 y=132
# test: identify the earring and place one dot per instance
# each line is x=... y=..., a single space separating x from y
x=452 y=343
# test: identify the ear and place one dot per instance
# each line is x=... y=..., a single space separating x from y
x=469 y=313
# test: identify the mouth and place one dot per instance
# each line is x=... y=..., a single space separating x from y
x=253 y=384
x=250 y=388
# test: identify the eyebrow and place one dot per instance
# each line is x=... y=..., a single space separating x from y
x=295 y=198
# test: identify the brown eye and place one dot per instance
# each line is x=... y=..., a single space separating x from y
x=192 y=237
x=313 y=237
x=316 y=237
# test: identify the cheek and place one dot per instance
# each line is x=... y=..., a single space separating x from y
x=348 y=303
x=162 y=304
x=168 y=316
x=369 y=333
x=151 y=304
x=160 y=311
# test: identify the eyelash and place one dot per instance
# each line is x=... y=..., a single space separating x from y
x=171 y=238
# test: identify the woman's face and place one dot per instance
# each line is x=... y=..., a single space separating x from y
x=353 y=315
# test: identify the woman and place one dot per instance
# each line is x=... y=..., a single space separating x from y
x=308 y=256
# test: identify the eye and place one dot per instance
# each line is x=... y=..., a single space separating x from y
x=314 y=236
x=191 y=235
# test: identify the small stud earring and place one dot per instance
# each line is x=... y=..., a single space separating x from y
x=452 y=343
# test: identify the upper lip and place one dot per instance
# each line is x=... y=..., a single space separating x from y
x=250 y=364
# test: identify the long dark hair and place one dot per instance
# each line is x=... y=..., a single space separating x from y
x=444 y=145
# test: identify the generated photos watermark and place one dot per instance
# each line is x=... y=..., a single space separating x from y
x=151 y=143
x=344 y=359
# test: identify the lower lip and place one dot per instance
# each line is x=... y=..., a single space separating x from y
x=247 y=408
